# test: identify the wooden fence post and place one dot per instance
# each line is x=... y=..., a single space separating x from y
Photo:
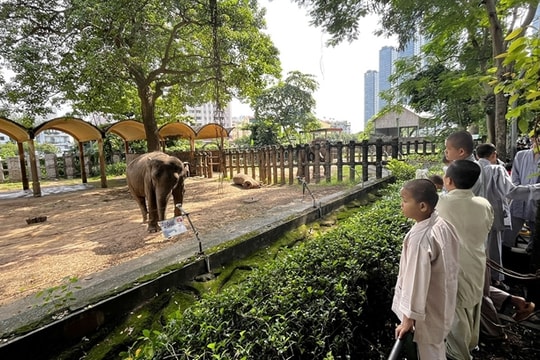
x=307 y=172
x=281 y=156
x=290 y=162
x=339 y=148
x=328 y=162
x=352 y=161
x=395 y=151
x=229 y=155
x=365 y=162
x=316 y=151
x=253 y=163
x=378 y=158
x=260 y=162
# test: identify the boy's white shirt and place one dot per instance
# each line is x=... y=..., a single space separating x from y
x=472 y=218
x=427 y=280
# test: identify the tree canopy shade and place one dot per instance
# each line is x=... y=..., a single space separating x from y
x=124 y=56
x=466 y=36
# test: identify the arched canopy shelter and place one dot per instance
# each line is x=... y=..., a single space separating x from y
x=21 y=134
x=212 y=131
x=81 y=131
x=128 y=130
x=178 y=129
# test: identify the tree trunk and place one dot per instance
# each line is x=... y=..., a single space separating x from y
x=501 y=102
x=501 y=126
x=490 y=118
x=149 y=118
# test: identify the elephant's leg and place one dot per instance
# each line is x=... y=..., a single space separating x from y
x=141 y=201
x=152 y=212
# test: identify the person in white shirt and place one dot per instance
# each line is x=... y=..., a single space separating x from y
x=426 y=288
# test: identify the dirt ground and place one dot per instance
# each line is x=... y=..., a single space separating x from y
x=94 y=229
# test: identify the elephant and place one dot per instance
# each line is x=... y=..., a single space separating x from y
x=151 y=179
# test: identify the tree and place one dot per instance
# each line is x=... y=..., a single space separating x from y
x=288 y=106
x=449 y=95
x=119 y=57
x=521 y=86
x=454 y=29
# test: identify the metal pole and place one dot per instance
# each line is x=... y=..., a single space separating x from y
x=396 y=350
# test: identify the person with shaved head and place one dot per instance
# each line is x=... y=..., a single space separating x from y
x=426 y=287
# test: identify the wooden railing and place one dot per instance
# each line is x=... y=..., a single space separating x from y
x=353 y=161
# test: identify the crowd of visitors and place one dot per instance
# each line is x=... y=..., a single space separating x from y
x=446 y=294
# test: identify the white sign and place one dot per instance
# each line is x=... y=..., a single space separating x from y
x=172 y=227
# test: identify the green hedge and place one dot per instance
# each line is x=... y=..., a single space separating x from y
x=327 y=298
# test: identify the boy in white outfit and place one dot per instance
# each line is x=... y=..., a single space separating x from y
x=425 y=293
x=472 y=217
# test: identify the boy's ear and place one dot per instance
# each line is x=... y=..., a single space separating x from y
x=423 y=206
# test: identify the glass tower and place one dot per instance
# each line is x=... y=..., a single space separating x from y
x=387 y=55
x=371 y=94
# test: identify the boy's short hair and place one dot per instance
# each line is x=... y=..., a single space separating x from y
x=437 y=180
x=462 y=140
x=464 y=173
x=483 y=151
x=423 y=190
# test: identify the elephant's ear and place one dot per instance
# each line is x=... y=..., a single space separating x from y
x=156 y=166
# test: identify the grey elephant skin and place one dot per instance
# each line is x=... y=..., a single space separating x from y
x=152 y=178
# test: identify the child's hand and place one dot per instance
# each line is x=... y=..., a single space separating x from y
x=407 y=325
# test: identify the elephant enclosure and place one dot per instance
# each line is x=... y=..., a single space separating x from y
x=94 y=229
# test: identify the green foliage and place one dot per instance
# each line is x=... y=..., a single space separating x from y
x=8 y=150
x=47 y=149
x=402 y=170
x=263 y=133
x=116 y=169
x=521 y=85
x=326 y=298
x=427 y=86
x=60 y=295
x=125 y=57
x=286 y=108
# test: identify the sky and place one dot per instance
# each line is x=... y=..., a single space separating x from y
x=338 y=70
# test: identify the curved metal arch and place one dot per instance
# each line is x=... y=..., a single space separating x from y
x=212 y=131
x=14 y=130
x=128 y=130
x=79 y=129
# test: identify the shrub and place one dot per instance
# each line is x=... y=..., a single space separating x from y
x=401 y=169
x=327 y=298
x=115 y=169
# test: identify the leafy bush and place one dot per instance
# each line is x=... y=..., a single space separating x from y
x=327 y=298
x=115 y=169
x=401 y=170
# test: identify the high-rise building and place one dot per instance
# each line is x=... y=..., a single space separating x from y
x=373 y=102
x=204 y=114
x=387 y=55
x=371 y=94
